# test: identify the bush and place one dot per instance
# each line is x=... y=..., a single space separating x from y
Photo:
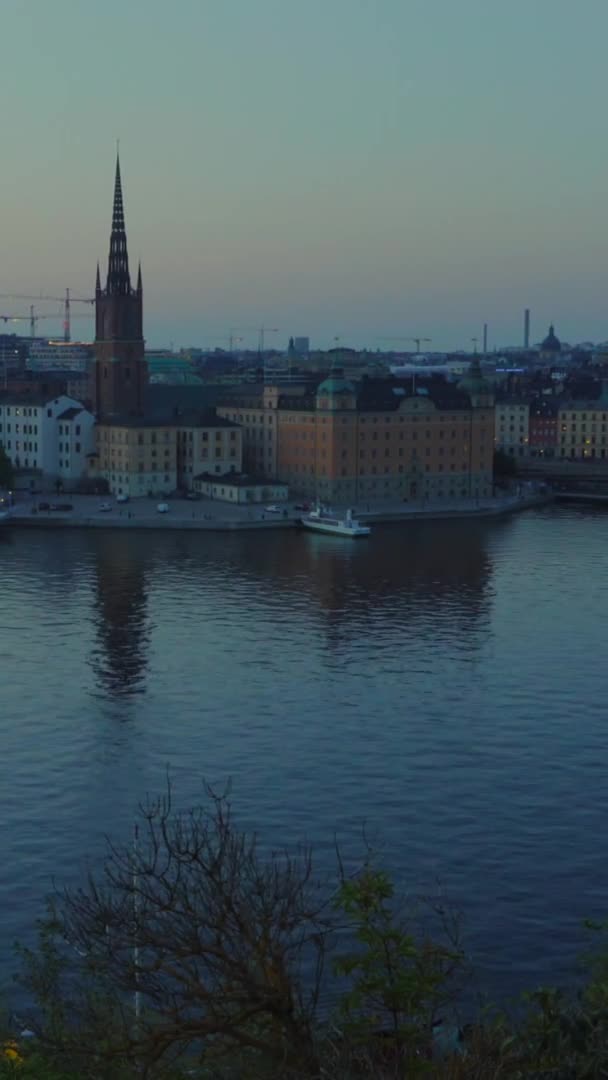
x=194 y=954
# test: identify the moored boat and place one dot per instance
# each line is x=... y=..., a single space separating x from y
x=321 y=520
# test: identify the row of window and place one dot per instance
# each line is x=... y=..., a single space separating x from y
x=26 y=410
x=586 y=453
x=374 y=472
x=588 y=442
x=583 y=416
x=464 y=418
x=123 y=436
x=28 y=429
x=219 y=452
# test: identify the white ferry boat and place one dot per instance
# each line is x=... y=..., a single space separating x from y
x=324 y=521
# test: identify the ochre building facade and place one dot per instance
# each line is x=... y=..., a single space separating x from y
x=377 y=440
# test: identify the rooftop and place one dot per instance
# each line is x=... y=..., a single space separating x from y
x=202 y=418
x=69 y=414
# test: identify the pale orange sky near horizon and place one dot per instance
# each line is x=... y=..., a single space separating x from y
x=340 y=168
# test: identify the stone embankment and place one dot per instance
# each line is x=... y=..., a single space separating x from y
x=215 y=516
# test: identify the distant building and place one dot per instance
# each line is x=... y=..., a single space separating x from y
x=302 y=345
x=377 y=439
x=511 y=426
x=207 y=443
x=255 y=410
x=170 y=368
x=140 y=456
x=75 y=444
x=550 y=348
x=583 y=427
x=13 y=356
x=60 y=355
x=543 y=441
x=136 y=456
x=240 y=489
x=50 y=437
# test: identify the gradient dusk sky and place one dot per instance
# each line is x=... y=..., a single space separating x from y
x=340 y=168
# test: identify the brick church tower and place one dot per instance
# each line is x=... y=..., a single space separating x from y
x=120 y=372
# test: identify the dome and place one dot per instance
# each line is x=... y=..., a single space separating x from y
x=551 y=343
x=335 y=384
x=474 y=382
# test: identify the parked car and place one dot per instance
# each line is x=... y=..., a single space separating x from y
x=192 y=495
x=44 y=506
x=122 y=498
x=103 y=509
x=163 y=508
x=302 y=506
x=272 y=509
x=63 y=508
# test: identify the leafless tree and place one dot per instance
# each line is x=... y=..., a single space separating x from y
x=189 y=944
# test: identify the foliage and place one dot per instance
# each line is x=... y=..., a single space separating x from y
x=7 y=474
x=226 y=947
x=399 y=975
x=194 y=924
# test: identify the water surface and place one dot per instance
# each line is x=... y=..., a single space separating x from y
x=442 y=683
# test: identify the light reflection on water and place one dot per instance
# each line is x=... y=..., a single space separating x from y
x=442 y=683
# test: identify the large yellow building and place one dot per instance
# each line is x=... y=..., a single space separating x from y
x=374 y=440
x=139 y=456
x=256 y=413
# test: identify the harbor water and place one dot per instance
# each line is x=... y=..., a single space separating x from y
x=440 y=685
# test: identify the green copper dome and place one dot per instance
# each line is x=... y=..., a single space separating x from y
x=473 y=383
x=335 y=384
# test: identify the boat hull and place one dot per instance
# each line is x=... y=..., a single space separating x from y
x=336 y=529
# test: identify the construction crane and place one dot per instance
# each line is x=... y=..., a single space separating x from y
x=261 y=331
x=32 y=318
x=66 y=300
x=417 y=340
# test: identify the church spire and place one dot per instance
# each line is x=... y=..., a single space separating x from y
x=119 y=281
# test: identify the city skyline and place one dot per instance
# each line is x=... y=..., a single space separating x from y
x=337 y=172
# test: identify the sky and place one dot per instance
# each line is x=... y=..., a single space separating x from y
x=360 y=170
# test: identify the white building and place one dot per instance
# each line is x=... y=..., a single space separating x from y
x=512 y=427
x=76 y=440
x=51 y=437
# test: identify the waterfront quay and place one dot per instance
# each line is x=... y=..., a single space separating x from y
x=207 y=514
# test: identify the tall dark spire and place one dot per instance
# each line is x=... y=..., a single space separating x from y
x=119 y=281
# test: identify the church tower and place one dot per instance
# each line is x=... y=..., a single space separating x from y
x=120 y=373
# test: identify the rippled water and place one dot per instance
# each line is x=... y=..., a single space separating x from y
x=443 y=683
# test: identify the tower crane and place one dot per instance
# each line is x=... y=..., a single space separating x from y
x=32 y=318
x=66 y=300
x=417 y=340
x=261 y=331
